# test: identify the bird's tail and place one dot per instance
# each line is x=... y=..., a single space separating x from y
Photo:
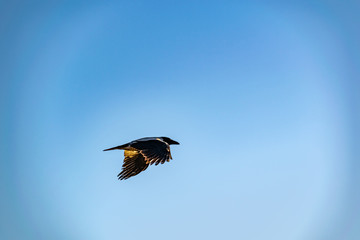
x=118 y=147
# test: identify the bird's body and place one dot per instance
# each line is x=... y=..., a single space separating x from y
x=141 y=153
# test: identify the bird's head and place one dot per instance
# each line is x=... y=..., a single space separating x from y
x=169 y=141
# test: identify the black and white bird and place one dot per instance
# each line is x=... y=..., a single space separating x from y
x=141 y=153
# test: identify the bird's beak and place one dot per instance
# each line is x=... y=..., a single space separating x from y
x=175 y=142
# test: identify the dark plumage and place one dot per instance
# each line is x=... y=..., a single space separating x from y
x=141 y=153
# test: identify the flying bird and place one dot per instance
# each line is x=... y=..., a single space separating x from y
x=141 y=153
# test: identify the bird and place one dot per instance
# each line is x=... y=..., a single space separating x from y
x=141 y=153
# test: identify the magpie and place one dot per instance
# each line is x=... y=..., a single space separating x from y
x=141 y=153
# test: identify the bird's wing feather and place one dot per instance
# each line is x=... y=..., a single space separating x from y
x=155 y=150
x=134 y=163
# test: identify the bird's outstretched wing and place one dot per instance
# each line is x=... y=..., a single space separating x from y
x=154 y=151
x=134 y=163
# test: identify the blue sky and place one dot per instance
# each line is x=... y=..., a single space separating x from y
x=261 y=96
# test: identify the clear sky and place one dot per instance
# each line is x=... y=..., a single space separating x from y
x=262 y=96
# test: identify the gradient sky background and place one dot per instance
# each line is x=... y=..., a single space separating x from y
x=262 y=96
